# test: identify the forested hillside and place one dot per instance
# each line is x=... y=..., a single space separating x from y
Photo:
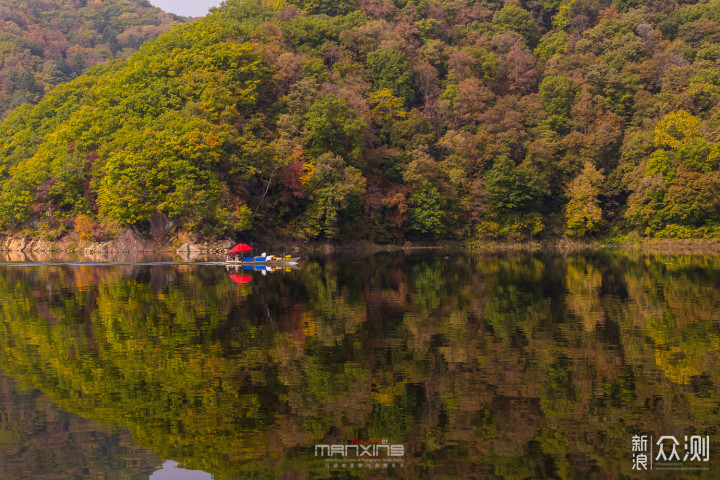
x=46 y=42
x=389 y=121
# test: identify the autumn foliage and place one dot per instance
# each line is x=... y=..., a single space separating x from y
x=389 y=121
x=47 y=42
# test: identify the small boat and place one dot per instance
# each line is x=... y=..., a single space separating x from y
x=270 y=260
x=235 y=257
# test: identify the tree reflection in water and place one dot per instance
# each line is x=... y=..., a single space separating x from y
x=516 y=365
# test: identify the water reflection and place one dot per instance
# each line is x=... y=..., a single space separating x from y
x=516 y=365
x=38 y=440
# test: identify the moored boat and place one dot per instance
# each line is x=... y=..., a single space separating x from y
x=236 y=257
x=266 y=260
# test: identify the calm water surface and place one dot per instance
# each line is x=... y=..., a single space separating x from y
x=509 y=366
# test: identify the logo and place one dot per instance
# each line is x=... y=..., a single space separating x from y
x=358 y=453
x=664 y=454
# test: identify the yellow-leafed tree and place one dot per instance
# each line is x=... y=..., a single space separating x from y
x=583 y=212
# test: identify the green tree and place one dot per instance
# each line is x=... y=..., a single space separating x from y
x=552 y=44
x=517 y=19
x=328 y=7
x=426 y=215
x=558 y=94
x=386 y=109
x=167 y=169
x=509 y=188
x=390 y=69
x=336 y=191
x=677 y=184
x=334 y=127
x=583 y=213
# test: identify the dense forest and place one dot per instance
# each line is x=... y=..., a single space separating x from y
x=386 y=120
x=47 y=42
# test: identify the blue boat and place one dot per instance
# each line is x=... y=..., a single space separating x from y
x=256 y=268
x=253 y=259
x=235 y=257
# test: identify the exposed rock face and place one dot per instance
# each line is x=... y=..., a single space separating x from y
x=159 y=226
x=14 y=244
x=190 y=251
x=226 y=245
x=22 y=244
x=187 y=249
x=39 y=245
x=129 y=242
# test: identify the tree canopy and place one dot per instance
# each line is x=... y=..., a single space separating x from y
x=44 y=43
x=452 y=119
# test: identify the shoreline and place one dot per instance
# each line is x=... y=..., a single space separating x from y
x=132 y=243
x=681 y=246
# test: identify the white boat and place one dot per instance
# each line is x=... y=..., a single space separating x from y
x=235 y=257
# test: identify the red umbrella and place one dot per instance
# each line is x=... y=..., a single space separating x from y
x=240 y=247
x=241 y=278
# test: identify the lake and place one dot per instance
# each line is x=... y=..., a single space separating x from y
x=398 y=365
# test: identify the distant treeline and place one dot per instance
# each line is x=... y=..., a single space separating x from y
x=388 y=121
x=47 y=42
